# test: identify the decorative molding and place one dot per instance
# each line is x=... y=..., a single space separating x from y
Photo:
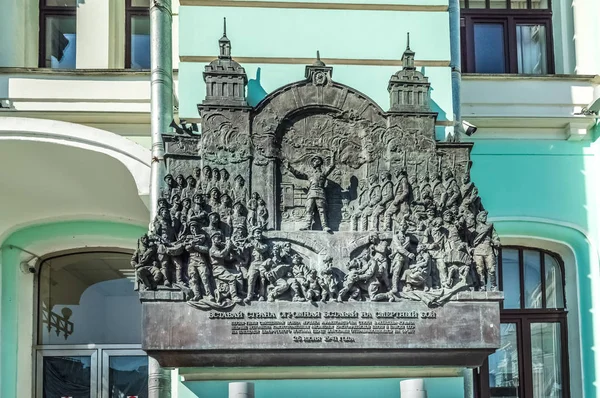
x=299 y=373
x=133 y=156
x=305 y=61
x=579 y=131
x=510 y=76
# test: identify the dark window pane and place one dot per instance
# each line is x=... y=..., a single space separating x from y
x=533 y=279
x=60 y=42
x=140 y=42
x=489 y=48
x=504 y=364
x=67 y=377
x=88 y=298
x=128 y=376
x=554 y=283
x=60 y=3
x=531 y=49
x=546 y=360
x=511 y=279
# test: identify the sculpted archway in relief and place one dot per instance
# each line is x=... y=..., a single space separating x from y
x=316 y=194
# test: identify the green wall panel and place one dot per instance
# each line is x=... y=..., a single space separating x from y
x=276 y=32
x=525 y=178
x=370 y=80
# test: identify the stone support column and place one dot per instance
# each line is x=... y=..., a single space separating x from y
x=241 y=390
x=468 y=382
x=413 y=388
x=159 y=380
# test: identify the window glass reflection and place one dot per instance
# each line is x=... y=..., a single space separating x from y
x=539 y=4
x=476 y=3
x=497 y=3
x=545 y=360
x=511 y=279
x=61 y=3
x=60 y=42
x=489 y=48
x=504 y=364
x=128 y=376
x=89 y=298
x=531 y=49
x=140 y=42
x=554 y=283
x=533 y=279
x=67 y=377
x=518 y=4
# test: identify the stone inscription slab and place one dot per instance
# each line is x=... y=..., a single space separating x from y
x=327 y=327
x=359 y=325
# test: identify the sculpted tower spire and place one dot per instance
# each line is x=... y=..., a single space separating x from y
x=225 y=79
x=409 y=88
x=224 y=43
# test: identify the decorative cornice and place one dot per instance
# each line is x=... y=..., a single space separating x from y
x=308 y=61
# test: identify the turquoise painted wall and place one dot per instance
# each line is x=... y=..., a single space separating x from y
x=357 y=388
x=544 y=178
x=299 y=33
x=548 y=189
x=9 y=288
x=370 y=80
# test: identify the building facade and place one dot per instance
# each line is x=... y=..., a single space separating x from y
x=75 y=130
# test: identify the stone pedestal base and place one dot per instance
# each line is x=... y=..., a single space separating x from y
x=405 y=333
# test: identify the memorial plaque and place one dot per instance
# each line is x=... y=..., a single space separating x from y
x=317 y=229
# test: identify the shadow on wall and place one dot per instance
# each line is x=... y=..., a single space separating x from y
x=443 y=387
x=256 y=92
x=441 y=117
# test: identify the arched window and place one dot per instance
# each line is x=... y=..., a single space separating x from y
x=89 y=328
x=532 y=361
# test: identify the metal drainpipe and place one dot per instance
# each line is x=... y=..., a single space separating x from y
x=454 y=14
x=161 y=115
x=161 y=86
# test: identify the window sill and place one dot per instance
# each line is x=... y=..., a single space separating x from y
x=513 y=76
x=78 y=72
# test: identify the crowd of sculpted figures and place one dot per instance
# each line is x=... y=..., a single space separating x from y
x=427 y=239
x=441 y=240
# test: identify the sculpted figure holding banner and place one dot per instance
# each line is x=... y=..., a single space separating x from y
x=316 y=202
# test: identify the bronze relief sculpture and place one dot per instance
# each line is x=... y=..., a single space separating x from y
x=316 y=195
